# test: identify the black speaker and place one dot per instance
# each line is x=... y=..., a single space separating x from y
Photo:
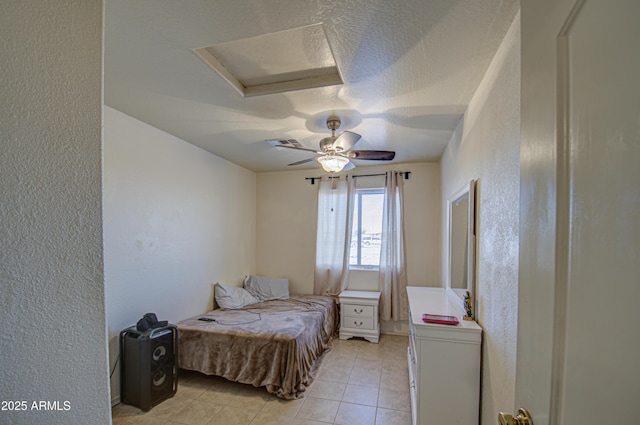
x=149 y=371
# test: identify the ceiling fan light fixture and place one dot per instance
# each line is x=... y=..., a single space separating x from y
x=333 y=163
x=335 y=151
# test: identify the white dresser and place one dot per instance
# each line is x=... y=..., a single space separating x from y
x=359 y=315
x=444 y=361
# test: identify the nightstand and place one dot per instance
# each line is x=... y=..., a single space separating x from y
x=359 y=315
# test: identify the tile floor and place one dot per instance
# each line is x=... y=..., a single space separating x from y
x=359 y=383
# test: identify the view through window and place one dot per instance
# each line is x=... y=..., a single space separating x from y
x=367 y=229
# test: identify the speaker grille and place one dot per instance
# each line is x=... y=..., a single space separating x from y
x=159 y=354
x=161 y=380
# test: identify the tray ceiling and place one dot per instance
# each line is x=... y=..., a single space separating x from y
x=409 y=70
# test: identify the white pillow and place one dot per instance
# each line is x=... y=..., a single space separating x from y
x=232 y=296
x=267 y=288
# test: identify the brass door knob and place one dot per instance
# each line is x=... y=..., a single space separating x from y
x=523 y=418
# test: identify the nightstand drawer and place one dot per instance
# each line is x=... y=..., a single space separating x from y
x=365 y=323
x=355 y=310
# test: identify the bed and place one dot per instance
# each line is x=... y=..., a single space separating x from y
x=273 y=344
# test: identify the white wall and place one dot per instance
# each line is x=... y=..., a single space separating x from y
x=286 y=227
x=486 y=147
x=52 y=319
x=176 y=220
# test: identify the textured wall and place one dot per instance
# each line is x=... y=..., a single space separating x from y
x=486 y=147
x=286 y=226
x=52 y=320
x=176 y=220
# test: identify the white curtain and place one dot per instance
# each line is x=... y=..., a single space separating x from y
x=392 y=278
x=335 y=206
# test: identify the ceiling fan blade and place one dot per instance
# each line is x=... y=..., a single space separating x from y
x=345 y=141
x=349 y=166
x=299 y=149
x=304 y=161
x=372 y=155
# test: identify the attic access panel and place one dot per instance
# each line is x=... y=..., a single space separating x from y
x=295 y=59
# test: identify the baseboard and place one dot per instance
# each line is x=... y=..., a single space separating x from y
x=388 y=327
x=395 y=333
x=115 y=400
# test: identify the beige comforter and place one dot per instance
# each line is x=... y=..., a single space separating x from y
x=272 y=344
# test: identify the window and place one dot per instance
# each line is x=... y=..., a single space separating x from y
x=366 y=234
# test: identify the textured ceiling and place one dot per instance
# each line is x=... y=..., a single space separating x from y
x=410 y=68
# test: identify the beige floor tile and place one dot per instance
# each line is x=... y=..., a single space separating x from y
x=355 y=414
x=250 y=397
x=394 y=381
x=345 y=346
x=396 y=353
x=297 y=421
x=197 y=380
x=214 y=395
x=281 y=407
x=190 y=391
x=370 y=363
x=196 y=413
x=339 y=360
x=124 y=410
x=319 y=410
x=233 y=416
x=392 y=417
x=394 y=399
x=141 y=420
x=358 y=383
x=119 y=420
x=329 y=390
x=359 y=394
x=265 y=418
x=396 y=366
x=365 y=377
x=371 y=352
x=169 y=407
x=335 y=374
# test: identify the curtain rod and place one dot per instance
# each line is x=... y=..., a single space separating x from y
x=404 y=173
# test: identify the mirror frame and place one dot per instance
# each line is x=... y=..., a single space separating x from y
x=469 y=189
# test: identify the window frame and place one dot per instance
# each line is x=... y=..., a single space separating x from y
x=357 y=224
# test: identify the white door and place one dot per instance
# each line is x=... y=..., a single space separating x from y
x=578 y=357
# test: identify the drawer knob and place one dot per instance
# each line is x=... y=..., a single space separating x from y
x=358 y=324
x=355 y=310
x=523 y=418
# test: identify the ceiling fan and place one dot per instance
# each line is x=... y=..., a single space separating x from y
x=335 y=152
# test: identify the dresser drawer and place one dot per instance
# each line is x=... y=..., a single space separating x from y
x=364 y=323
x=355 y=310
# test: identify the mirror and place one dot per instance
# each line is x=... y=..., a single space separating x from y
x=461 y=270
